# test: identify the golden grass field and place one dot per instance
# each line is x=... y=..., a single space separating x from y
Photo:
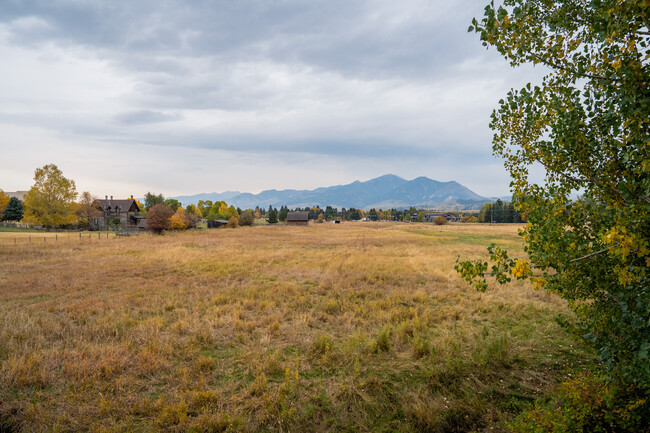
x=351 y=327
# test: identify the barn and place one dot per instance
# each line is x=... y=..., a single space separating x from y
x=216 y=224
x=298 y=218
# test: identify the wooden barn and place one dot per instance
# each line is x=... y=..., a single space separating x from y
x=298 y=218
x=216 y=224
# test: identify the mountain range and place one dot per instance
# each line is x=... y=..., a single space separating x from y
x=384 y=192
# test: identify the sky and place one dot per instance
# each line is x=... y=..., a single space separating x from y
x=210 y=96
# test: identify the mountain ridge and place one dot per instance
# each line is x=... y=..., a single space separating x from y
x=387 y=191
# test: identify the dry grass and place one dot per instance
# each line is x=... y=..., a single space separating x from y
x=352 y=327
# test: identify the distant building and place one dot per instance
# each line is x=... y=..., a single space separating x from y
x=450 y=216
x=298 y=218
x=215 y=224
x=125 y=212
x=20 y=195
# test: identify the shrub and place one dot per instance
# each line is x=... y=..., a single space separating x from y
x=586 y=403
x=440 y=221
x=158 y=218
x=233 y=222
x=247 y=218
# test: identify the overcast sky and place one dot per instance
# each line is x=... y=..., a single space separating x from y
x=199 y=96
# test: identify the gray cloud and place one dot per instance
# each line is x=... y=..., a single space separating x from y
x=375 y=81
x=145 y=116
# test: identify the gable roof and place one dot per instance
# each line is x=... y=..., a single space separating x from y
x=124 y=205
x=298 y=216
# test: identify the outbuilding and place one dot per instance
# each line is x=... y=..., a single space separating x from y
x=215 y=224
x=298 y=218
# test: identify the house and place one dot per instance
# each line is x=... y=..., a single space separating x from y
x=122 y=213
x=215 y=224
x=20 y=195
x=430 y=217
x=298 y=218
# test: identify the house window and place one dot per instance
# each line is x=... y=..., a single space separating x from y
x=117 y=211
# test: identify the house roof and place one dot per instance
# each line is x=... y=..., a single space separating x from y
x=124 y=205
x=298 y=216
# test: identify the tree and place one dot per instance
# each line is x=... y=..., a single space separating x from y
x=14 y=210
x=282 y=215
x=440 y=220
x=158 y=218
x=179 y=221
x=51 y=200
x=373 y=215
x=587 y=123
x=247 y=218
x=321 y=218
x=272 y=216
x=191 y=208
x=4 y=201
x=151 y=199
x=204 y=207
x=468 y=218
x=87 y=208
x=172 y=203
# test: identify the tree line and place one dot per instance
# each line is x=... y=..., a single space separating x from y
x=499 y=212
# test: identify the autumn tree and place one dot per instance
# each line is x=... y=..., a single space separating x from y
x=51 y=200
x=179 y=221
x=588 y=124
x=204 y=207
x=440 y=220
x=4 y=201
x=233 y=222
x=13 y=211
x=158 y=218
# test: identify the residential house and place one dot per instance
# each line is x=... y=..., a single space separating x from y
x=123 y=213
x=451 y=217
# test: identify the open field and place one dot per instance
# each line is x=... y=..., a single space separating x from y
x=351 y=327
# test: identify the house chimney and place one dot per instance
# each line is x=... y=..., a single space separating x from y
x=131 y=196
x=111 y=197
x=105 y=197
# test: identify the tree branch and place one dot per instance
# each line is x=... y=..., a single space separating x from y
x=590 y=255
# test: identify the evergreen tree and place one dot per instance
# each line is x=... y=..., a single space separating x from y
x=14 y=210
x=272 y=216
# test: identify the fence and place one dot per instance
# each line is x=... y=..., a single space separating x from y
x=20 y=225
x=53 y=238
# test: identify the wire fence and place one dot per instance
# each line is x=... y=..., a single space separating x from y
x=36 y=238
